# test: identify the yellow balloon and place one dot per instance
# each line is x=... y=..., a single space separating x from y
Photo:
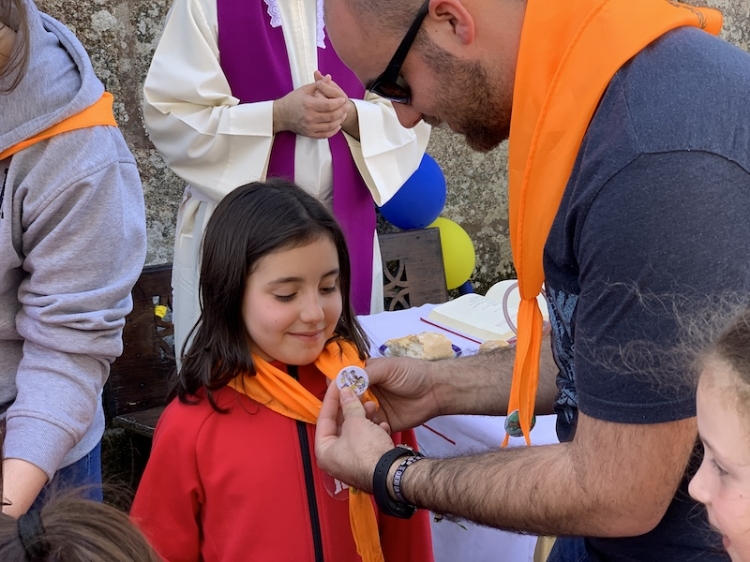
x=459 y=256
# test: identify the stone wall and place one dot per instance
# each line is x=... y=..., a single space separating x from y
x=120 y=35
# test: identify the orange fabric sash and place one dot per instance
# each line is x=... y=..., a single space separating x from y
x=99 y=113
x=276 y=390
x=568 y=54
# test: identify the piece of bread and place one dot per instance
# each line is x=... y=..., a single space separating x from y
x=427 y=345
x=492 y=345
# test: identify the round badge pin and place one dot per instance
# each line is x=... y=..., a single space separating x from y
x=353 y=377
x=513 y=424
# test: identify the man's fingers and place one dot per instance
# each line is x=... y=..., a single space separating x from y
x=374 y=414
x=350 y=404
x=309 y=89
x=330 y=89
x=371 y=410
x=327 y=86
x=377 y=369
x=327 y=425
x=322 y=104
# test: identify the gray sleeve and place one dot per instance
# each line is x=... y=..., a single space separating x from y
x=84 y=244
x=660 y=236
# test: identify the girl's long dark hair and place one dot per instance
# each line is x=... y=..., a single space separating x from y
x=251 y=222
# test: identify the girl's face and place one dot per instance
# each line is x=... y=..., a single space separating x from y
x=292 y=302
x=723 y=481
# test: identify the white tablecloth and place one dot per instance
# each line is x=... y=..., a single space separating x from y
x=456 y=435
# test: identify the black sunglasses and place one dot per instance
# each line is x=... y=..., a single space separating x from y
x=389 y=84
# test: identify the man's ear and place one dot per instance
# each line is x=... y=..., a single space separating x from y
x=454 y=13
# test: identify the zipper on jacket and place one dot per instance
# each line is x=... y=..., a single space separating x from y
x=312 y=502
x=2 y=193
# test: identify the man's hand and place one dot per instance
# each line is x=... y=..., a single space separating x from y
x=305 y=112
x=327 y=88
x=405 y=390
x=412 y=391
x=349 y=447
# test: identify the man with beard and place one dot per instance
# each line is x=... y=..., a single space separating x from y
x=629 y=160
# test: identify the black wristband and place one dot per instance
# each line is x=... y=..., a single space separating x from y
x=386 y=504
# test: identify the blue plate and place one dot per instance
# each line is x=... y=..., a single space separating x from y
x=383 y=349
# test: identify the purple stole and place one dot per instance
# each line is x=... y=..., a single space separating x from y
x=254 y=59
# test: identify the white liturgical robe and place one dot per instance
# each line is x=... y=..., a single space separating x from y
x=217 y=144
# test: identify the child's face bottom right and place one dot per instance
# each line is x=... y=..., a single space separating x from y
x=723 y=481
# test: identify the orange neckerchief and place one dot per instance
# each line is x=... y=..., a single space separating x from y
x=276 y=390
x=99 y=113
x=569 y=52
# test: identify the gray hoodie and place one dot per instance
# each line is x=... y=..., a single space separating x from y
x=72 y=244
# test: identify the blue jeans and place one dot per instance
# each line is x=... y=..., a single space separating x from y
x=568 y=549
x=85 y=474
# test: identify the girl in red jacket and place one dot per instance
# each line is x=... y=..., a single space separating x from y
x=232 y=475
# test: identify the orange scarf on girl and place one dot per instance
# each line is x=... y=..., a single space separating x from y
x=569 y=52
x=276 y=390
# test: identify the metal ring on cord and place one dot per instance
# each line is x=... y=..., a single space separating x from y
x=506 y=314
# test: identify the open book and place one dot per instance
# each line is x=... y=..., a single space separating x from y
x=483 y=317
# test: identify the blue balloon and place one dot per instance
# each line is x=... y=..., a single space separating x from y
x=420 y=200
x=466 y=288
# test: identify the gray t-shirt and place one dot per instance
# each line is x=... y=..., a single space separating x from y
x=658 y=205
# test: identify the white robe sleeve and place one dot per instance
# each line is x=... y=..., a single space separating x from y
x=203 y=133
x=387 y=154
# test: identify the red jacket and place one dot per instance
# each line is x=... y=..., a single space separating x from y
x=233 y=487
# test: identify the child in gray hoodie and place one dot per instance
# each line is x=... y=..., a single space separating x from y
x=72 y=244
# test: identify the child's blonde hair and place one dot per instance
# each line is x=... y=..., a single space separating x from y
x=731 y=346
x=71 y=529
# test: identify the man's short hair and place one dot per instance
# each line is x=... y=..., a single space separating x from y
x=390 y=16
